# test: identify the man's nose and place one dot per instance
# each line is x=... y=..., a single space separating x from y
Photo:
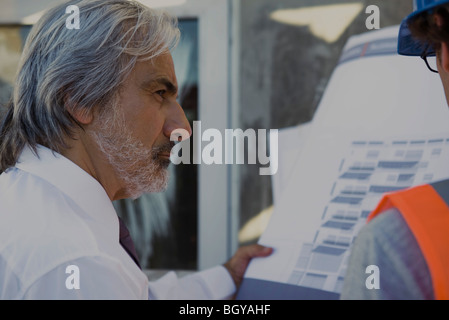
x=177 y=120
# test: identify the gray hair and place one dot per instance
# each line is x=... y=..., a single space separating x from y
x=64 y=70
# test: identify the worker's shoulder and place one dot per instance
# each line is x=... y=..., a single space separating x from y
x=386 y=224
x=389 y=235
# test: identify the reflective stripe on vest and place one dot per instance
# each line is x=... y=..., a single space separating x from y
x=426 y=211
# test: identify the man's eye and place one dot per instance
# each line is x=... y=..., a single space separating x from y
x=161 y=92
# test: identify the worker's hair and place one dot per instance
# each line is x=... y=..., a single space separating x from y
x=424 y=28
x=78 y=70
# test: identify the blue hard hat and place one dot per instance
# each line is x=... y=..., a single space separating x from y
x=407 y=45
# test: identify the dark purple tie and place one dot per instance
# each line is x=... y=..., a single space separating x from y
x=127 y=242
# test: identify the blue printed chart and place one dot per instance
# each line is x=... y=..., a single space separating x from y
x=371 y=169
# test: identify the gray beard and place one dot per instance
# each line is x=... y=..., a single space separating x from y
x=137 y=166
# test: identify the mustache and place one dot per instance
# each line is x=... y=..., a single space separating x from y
x=164 y=148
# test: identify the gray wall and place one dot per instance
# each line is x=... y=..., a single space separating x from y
x=284 y=70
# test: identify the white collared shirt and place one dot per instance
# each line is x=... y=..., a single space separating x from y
x=59 y=239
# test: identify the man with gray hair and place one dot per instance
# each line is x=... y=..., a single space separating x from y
x=90 y=122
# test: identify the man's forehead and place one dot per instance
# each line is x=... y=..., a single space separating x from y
x=157 y=71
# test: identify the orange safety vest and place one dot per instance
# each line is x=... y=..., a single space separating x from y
x=426 y=211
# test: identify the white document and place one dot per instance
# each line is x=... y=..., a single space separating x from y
x=382 y=125
x=291 y=143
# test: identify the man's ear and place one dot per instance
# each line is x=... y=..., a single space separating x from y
x=83 y=117
x=444 y=51
x=444 y=56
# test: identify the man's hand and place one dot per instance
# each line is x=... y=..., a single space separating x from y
x=239 y=262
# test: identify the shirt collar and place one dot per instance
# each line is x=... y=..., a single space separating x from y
x=76 y=183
